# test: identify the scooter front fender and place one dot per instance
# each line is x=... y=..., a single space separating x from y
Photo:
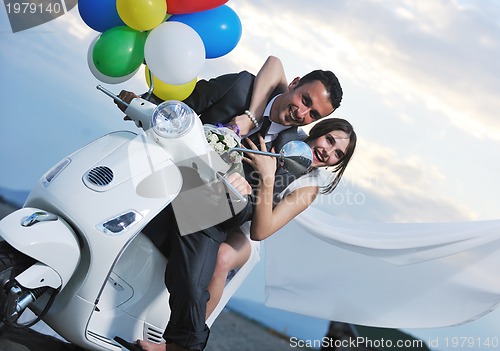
x=45 y=237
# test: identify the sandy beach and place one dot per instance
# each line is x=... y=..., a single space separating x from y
x=230 y=332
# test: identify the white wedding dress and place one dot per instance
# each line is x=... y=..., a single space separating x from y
x=401 y=275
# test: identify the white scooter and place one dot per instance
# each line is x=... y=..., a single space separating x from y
x=76 y=254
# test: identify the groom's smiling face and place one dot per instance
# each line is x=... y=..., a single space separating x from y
x=301 y=105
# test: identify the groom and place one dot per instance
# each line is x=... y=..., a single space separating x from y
x=306 y=100
x=192 y=257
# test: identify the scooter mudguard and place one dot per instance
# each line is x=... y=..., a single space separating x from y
x=45 y=237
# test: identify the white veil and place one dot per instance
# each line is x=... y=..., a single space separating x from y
x=401 y=275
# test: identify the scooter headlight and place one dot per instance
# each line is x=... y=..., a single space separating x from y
x=172 y=119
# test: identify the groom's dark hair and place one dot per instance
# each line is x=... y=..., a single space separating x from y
x=329 y=80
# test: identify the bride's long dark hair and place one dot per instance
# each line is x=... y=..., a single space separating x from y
x=326 y=126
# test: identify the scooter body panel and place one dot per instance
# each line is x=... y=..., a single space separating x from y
x=134 y=302
x=107 y=192
x=52 y=243
x=144 y=180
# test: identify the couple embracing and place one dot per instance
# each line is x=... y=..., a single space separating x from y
x=267 y=111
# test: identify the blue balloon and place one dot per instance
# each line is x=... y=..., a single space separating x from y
x=100 y=15
x=219 y=29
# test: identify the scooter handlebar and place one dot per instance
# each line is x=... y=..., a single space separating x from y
x=113 y=96
x=139 y=110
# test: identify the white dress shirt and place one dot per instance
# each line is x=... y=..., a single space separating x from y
x=274 y=128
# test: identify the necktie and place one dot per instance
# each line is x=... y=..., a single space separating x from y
x=266 y=123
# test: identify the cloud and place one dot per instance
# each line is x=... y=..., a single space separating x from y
x=429 y=64
x=439 y=54
x=405 y=54
x=392 y=188
x=75 y=26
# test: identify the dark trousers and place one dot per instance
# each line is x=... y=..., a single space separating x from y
x=190 y=267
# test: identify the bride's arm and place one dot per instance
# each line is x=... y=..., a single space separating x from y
x=271 y=77
x=267 y=220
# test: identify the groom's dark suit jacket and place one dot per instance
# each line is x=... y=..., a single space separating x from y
x=220 y=99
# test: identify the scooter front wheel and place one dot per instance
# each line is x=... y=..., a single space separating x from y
x=12 y=263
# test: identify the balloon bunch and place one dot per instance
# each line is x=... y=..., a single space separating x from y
x=172 y=37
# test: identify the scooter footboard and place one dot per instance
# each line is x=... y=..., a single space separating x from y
x=45 y=237
x=134 y=303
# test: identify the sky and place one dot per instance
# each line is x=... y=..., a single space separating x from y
x=421 y=82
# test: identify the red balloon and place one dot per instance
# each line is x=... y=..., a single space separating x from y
x=177 y=7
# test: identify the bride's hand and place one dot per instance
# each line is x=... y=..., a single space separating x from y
x=265 y=165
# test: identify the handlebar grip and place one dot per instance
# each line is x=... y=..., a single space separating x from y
x=111 y=95
x=231 y=189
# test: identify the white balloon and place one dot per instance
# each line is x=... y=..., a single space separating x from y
x=174 y=53
x=102 y=77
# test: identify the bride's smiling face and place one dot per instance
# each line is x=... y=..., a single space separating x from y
x=329 y=148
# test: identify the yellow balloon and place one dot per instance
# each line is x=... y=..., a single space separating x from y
x=169 y=91
x=142 y=14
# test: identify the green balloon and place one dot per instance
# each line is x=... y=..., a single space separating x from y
x=119 y=51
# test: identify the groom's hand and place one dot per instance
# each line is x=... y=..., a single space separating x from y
x=126 y=96
x=240 y=183
x=244 y=124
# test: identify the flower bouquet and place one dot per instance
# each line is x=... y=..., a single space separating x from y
x=222 y=139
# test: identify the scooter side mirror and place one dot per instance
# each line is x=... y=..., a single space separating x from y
x=296 y=157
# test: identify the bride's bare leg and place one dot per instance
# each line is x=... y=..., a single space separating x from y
x=233 y=253
x=151 y=346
